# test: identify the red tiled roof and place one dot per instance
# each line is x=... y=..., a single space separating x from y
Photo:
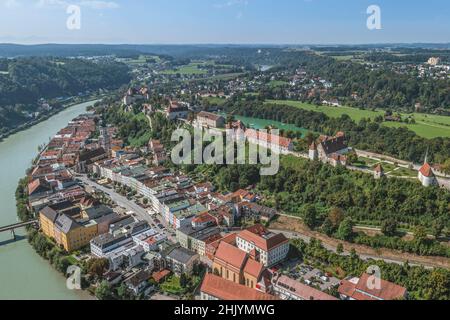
x=230 y=239
x=158 y=276
x=212 y=247
x=262 y=238
x=33 y=186
x=426 y=170
x=268 y=138
x=301 y=290
x=379 y=168
x=360 y=290
x=209 y=116
x=228 y=290
x=347 y=288
x=388 y=291
x=213 y=238
x=253 y=268
x=333 y=144
x=230 y=255
x=338 y=157
x=203 y=218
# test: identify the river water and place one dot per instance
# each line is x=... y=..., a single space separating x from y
x=24 y=274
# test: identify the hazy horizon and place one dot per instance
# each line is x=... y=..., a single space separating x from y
x=226 y=44
x=195 y=22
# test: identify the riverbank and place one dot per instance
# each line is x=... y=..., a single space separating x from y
x=48 y=115
x=43 y=246
x=25 y=275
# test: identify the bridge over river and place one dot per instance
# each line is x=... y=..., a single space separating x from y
x=13 y=227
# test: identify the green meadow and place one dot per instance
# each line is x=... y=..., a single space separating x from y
x=216 y=101
x=427 y=126
x=277 y=83
x=189 y=69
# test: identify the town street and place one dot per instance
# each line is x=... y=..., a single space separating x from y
x=122 y=201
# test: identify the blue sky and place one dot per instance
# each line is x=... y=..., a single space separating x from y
x=224 y=21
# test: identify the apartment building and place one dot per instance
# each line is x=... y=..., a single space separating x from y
x=270 y=248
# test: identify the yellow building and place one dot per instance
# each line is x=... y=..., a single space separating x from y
x=47 y=218
x=67 y=232
x=73 y=235
x=73 y=228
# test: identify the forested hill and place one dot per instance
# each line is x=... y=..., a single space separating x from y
x=25 y=80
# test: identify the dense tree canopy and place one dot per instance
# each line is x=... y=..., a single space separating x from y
x=23 y=81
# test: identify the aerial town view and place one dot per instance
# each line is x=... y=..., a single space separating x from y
x=232 y=152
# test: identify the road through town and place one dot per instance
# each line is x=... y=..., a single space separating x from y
x=129 y=205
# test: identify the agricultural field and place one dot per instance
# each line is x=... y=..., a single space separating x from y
x=277 y=83
x=190 y=69
x=143 y=59
x=194 y=69
x=334 y=112
x=427 y=126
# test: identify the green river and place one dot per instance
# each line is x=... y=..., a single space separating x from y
x=23 y=274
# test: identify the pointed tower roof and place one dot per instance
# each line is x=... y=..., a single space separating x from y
x=313 y=146
x=426 y=170
x=379 y=169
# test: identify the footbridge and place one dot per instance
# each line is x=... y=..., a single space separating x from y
x=15 y=226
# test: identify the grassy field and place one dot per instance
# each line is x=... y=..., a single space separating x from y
x=404 y=172
x=216 y=101
x=427 y=126
x=143 y=59
x=190 y=69
x=193 y=69
x=277 y=83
